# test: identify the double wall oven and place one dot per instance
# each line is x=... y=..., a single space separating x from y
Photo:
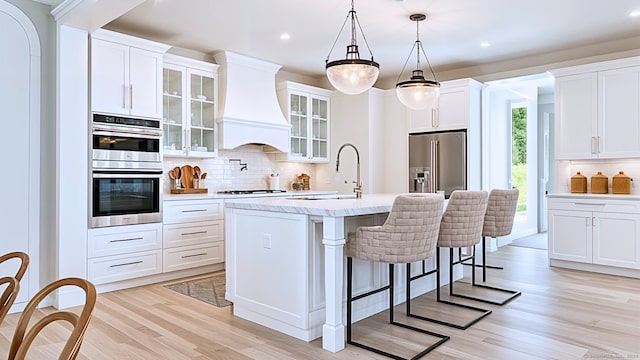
x=126 y=171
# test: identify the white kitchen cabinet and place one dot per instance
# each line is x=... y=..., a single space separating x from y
x=126 y=75
x=189 y=107
x=595 y=231
x=598 y=111
x=453 y=111
x=193 y=233
x=307 y=109
x=124 y=252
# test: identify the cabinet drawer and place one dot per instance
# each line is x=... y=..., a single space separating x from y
x=180 y=211
x=175 y=235
x=123 y=267
x=193 y=256
x=124 y=239
x=585 y=204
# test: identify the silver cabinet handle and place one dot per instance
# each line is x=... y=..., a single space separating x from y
x=124 y=96
x=130 y=96
x=194 y=233
x=598 y=145
x=194 y=255
x=195 y=210
x=125 y=264
x=433 y=117
x=589 y=204
x=129 y=239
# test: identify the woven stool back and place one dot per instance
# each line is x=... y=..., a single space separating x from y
x=501 y=210
x=462 y=221
x=409 y=234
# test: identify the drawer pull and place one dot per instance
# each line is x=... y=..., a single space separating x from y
x=194 y=233
x=195 y=210
x=130 y=239
x=589 y=204
x=125 y=264
x=194 y=255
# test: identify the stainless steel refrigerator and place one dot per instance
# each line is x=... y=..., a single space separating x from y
x=438 y=161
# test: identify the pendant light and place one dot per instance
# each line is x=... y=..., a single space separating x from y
x=352 y=75
x=418 y=93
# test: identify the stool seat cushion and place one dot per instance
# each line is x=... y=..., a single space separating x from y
x=462 y=221
x=409 y=234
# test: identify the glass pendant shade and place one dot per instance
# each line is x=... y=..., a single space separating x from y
x=418 y=93
x=352 y=75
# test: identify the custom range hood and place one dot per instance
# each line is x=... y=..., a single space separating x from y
x=249 y=112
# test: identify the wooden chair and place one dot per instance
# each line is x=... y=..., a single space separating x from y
x=409 y=234
x=22 y=338
x=11 y=284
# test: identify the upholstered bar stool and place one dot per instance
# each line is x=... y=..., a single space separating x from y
x=461 y=226
x=498 y=221
x=408 y=235
x=498 y=209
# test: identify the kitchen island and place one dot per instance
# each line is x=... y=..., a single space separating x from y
x=285 y=263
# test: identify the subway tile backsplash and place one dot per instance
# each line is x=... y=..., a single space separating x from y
x=225 y=175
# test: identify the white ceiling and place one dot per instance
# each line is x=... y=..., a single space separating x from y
x=451 y=34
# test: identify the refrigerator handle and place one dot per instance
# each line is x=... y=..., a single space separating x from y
x=434 y=166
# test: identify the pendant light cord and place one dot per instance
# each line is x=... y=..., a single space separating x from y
x=354 y=19
x=419 y=45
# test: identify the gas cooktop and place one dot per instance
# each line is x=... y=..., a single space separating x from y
x=246 y=192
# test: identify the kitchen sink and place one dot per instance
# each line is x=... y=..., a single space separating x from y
x=324 y=197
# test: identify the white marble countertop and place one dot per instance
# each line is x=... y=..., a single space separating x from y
x=595 y=196
x=350 y=206
x=214 y=195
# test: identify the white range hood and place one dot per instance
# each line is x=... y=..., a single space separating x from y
x=249 y=112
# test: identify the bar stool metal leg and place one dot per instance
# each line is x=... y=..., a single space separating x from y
x=484 y=312
x=390 y=287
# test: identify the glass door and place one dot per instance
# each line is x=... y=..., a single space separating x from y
x=202 y=113
x=172 y=110
x=299 y=130
x=319 y=129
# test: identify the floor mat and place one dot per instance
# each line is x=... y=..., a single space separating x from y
x=210 y=289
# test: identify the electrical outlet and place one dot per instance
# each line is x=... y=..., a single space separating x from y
x=266 y=241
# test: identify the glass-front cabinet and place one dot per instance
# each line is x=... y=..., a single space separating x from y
x=307 y=109
x=189 y=102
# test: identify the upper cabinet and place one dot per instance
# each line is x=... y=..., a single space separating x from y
x=307 y=109
x=189 y=107
x=453 y=111
x=126 y=75
x=598 y=110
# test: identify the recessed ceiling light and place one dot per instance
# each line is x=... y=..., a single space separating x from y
x=285 y=36
x=634 y=13
x=485 y=44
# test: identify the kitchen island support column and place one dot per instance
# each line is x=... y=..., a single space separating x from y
x=333 y=241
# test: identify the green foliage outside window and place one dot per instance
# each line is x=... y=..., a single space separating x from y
x=519 y=154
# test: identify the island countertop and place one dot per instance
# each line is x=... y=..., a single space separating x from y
x=344 y=205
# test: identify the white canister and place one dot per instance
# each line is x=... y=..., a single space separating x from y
x=274 y=183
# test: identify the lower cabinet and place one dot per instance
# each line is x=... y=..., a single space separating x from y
x=595 y=231
x=124 y=252
x=193 y=233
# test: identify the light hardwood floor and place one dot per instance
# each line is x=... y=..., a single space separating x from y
x=562 y=314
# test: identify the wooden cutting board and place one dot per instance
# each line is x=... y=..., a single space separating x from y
x=186 y=177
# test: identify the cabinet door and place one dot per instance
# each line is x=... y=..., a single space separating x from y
x=453 y=109
x=619 y=113
x=570 y=235
x=201 y=113
x=109 y=77
x=576 y=120
x=319 y=129
x=616 y=239
x=298 y=117
x=173 y=110
x=145 y=76
x=422 y=120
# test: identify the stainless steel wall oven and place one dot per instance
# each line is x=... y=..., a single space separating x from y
x=126 y=171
